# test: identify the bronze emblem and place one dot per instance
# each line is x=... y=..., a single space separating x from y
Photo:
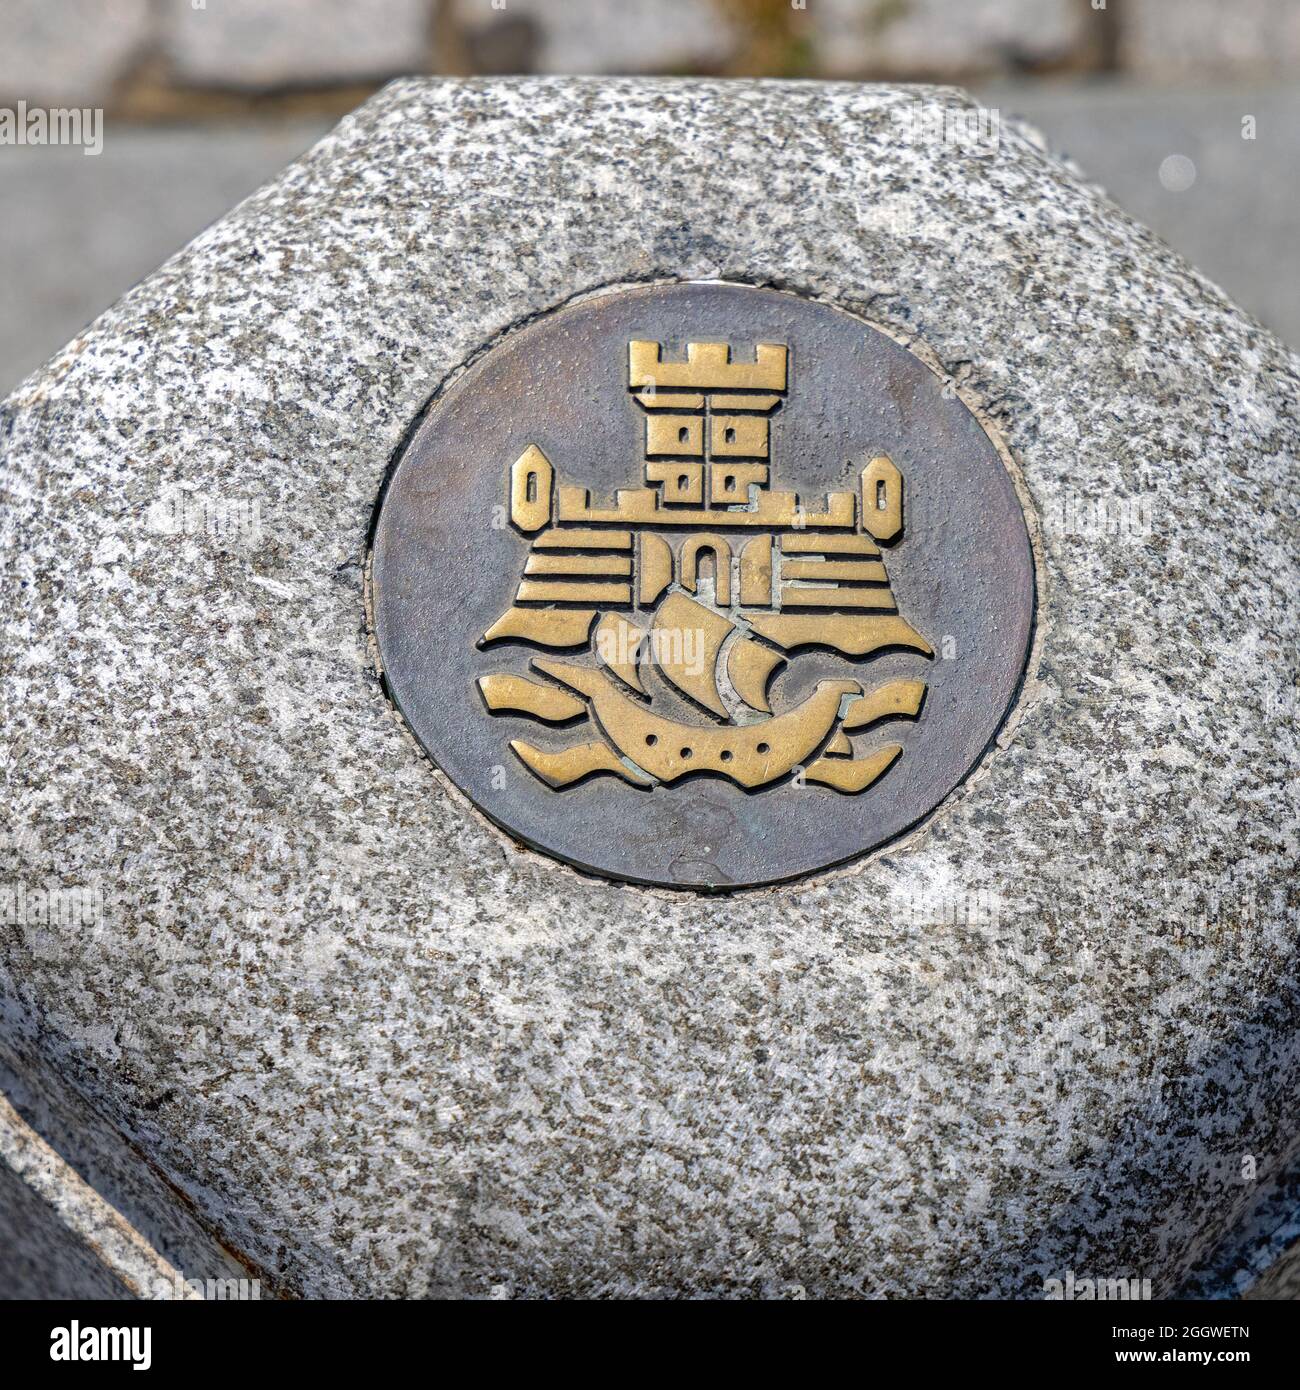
x=704 y=670
x=632 y=578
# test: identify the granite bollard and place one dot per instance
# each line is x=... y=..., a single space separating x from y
x=367 y=1042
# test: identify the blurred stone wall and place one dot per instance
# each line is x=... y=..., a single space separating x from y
x=150 y=57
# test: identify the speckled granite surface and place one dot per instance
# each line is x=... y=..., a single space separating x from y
x=38 y=1259
x=383 y=1051
x=1281 y=1283
x=96 y=1213
x=59 y=1238
x=1260 y=1256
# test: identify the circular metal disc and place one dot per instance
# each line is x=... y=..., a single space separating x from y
x=702 y=585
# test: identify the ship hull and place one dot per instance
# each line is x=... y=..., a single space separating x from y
x=750 y=755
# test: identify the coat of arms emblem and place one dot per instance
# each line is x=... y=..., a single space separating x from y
x=688 y=593
x=702 y=584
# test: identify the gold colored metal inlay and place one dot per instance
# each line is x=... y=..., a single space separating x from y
x=678 y=603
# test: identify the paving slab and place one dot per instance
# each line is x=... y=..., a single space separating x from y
x=71 y=51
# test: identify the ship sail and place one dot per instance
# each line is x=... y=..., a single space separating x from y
x=749 y=668
x=686 y=641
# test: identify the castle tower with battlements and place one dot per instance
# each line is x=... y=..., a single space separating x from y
x=707 y=428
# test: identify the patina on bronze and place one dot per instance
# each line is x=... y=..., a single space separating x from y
x=702 y=585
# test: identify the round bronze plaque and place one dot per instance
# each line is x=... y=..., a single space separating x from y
x=702 y=585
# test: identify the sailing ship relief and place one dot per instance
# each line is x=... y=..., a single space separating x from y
x=662 y=621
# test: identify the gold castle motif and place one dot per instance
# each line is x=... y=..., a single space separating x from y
x=691 y=592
